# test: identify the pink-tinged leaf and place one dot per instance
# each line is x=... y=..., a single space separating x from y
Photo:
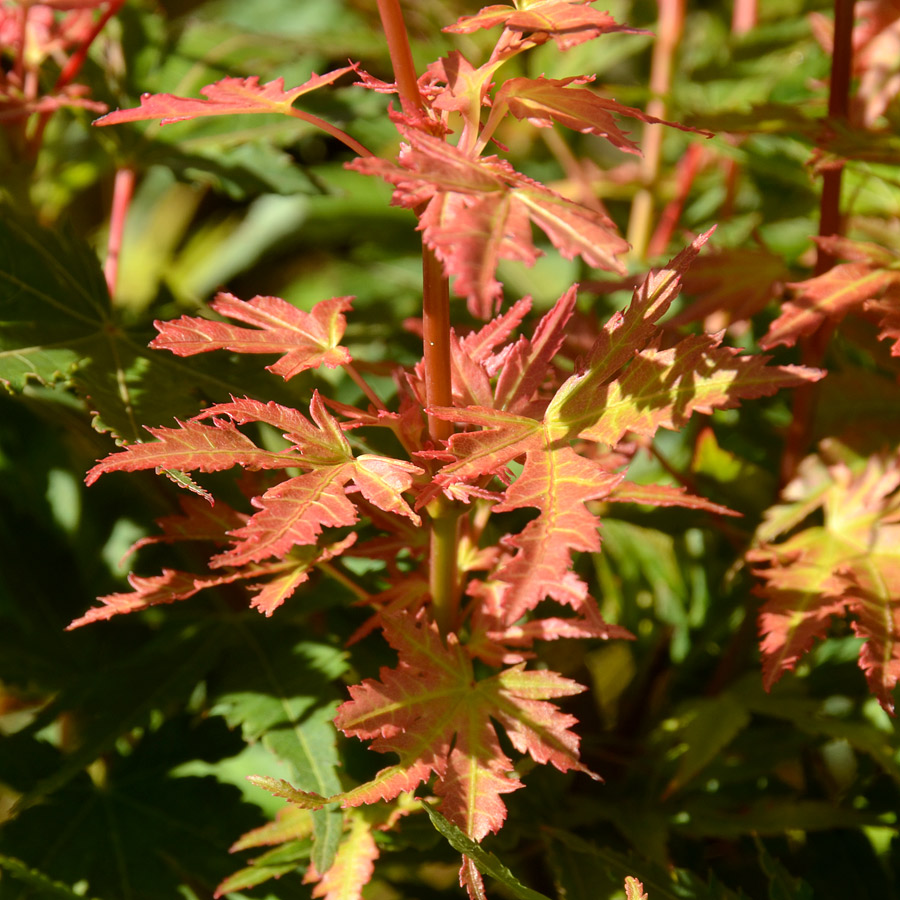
x=573 y=229
x=476 y=453
x=382 y=481
x=295 y=511
x=731 y=286
x=526 y=366
x=291 y=824
x=848 y=565
x=665 y=495
x=225 y=97
x=546 y=100
x=320 y=441
x=664 y=388
x=470 y=235
x=887 y=313
x=272 y=593
x=634 y=890
x=479 y=212
x=830 y=296
x=432 y=712
x=193 y=447
x=558 y=482
x=292 y=513
x=479 y=345
x=497 y=643
x=488 y=17
x=306 y=340
x=169 y=586
x=353 y=865
x=632 y=329
x=554 y=480
x=200 y=521
x=802 y=598
x=876 y=256
x=873 y=587
x=568 y=22
x=470 y=383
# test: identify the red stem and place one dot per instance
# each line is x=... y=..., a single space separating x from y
x=71 y=69
x=401 y=55
x=443 y=568
x=686 y=172
x=122 y=193
x=76 y=60
x=813 y=348
x=744 y=16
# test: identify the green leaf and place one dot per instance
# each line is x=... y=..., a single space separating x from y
x=162 y=673
x=37 y=881
x=134 y=830
x=712 y=724
x=60 y=328
x=486 y=862
x=782 y=885
x=282 y=693
x=660 y=883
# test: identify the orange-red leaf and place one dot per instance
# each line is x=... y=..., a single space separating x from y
x=848 y=565
x=225 y=97
x=436 y=716
x=546 y=100
x=829 y=296
x=480 y=210
x=193 y=447
x=307 y=340
x=568 y=22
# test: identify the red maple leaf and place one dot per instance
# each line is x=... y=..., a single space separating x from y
x=620 y=389
x=545 y=100
x=434 y=713
x=852 y=286
x=307 y=340
x=568 y=22
x=225 y=97
x=480 y=210
x=848 y=565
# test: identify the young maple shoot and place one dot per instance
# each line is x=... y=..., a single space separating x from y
x=573 y=428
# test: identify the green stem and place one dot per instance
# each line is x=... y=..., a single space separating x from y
x=443 y=564
x=443 y=575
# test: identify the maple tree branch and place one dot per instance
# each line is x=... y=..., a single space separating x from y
x=443 y=573
x=443 y=564
x=401 y=54
x=122 y=192
x=813 y=347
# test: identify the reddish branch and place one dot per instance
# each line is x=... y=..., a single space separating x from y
x=814 y=347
